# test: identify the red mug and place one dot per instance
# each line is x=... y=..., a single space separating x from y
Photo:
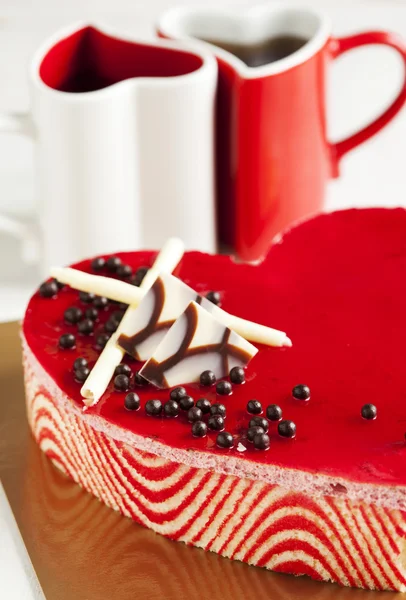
x=273 y=156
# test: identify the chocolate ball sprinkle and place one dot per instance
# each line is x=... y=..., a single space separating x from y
x=110 y=326
x=214 y=297
x=113 y=263
x=100 y=302
x=369 y=412
x=186 y=402
x=273 y=412
x=123 y=369
x=86 y=297
x=224 y=388
x=261 y=441
x=204 y=405
x=171 y=408
x=67 y=341
x=225 y=440
x=199 y=429
x=259 y=422
x=48 y=289
x=177 y=393
x=124 y=271
x=98 y=264
x=216 y=422
x=218 y=409
x=252 y=432
x=59 y=284
x=287 y=429
x=254 y=407
x=86 y=326
x=116 y=316
x=237 y=375
x=194 y=414
x=79 y=363
x=153 y=408
x=101 y=340
x=301 y=392
x=81 y=374
x=72 y=315
x=132 y=401
x=139 y=379
x=207 y=378
x=121 y=383
x=139 y=275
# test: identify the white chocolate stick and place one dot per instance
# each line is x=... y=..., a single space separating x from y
x=111 y=356
x=114 y=289
x=254 y=332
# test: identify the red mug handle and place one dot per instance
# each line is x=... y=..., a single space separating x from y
x=338 y=47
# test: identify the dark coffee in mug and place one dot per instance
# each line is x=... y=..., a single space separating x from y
x=263 y=53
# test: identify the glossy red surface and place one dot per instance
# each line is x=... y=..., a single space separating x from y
x=337 y=286
x=273 y=155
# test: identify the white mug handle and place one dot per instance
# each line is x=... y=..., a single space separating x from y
x=22 y=124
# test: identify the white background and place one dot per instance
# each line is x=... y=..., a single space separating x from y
x=361 y=84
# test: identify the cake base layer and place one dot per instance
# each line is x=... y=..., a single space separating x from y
x=327 y=538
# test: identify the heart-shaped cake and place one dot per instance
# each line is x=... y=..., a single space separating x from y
x=328 y=502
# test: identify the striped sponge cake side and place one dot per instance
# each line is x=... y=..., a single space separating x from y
x=327 y=538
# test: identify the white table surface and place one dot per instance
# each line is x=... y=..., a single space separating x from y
x=361 y=84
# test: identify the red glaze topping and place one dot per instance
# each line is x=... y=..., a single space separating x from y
x=337 y=286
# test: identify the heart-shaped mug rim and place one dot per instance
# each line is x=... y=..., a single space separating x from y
x=207 y=69
x=183 y=23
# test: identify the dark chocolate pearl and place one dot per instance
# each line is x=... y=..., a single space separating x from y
x=252 y=432
x=121 y=383
x=204 y=405
x=194 y=414
x=139 y=379
x=86 y=297
x=139 y=275
x=110 y=326
x=67 y=341
x=101 y=340
x=199 y=429
x=216 y=422
x=218 y=409
x=171 y=408
x=369 y=412
x=237 y=375
x=98 y=263
x=116 y=316
x=261 y=441
x=153 y=408
x=224 y=388
x=132 y=401
x=122 y=306
x=92 y=313
x=254 y=407
x=86 y=326
x=100 y=302
x=48 y=289
x=82 y=374
x=124 y=271
x=214 y=297
x=259 y=422
x=123 y=369
x=225 y=440
x=186 y=402
x=79 y=363
x=177 y=393
x=287 y=429
x=273 y=412
x=112 y=263
x=207 y=378
x=301 y=392
x=73 y=314
x=59 y=284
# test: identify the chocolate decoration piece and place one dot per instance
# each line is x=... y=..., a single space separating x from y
x=214 y=297
x=100 y=302
x=124 y=271
x=123 y=369
x=369 y=412
x=111 y=326
x=224 y=388
x=86 y=326
x=79 y=363
x=153 y=408
x=254 y=407
x=287 y=429
x=225 y=440
x=237 y=375
x=86 y=297
x=82 y=373
x=72 y=315
x=253 y=431
x=178 y=393
x=259 y=422
x=204 y=405
x=186 y=402
x=216 y=422
x=261 y=441
x=98 y=264
x=207 y=378
x=121 y=383
x=199 y=429
x=301 y=392
x=194 y=340
x=139 y=275
x=132 y=401
x=48 y=289
x=139 y=379
x=112 y=263
x=67 y=341
x=194 y=414
x=171 y=408
x=101 y=340
x=274 y=412
x=92 y=313
x=218 y=409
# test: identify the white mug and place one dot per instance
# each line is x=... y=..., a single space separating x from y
x=124 y=134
